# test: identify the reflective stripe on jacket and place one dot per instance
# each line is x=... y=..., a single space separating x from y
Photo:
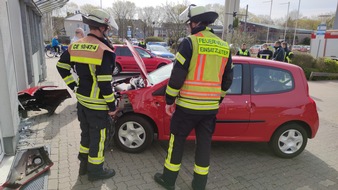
x=264 y=56
x=202 y=87
x=287 y=57
x=89 y=51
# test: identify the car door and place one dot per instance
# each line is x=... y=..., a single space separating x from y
x=234 y=112
x=272 y=96
x=126 y=60
x=148 y=59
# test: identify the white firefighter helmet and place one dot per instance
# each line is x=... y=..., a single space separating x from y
x=99 y=17
x=198 y=14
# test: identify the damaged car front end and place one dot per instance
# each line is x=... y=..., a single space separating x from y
x=41 y=97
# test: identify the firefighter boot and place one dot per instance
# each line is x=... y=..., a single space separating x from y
x=103 y=174
x=199 y=182
x=159 y=179
x=83 y=168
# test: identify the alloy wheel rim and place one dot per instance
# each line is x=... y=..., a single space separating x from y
x=132 y=135
x=290 y=141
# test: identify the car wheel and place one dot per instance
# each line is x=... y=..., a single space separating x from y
x=117 y=69
x=288 y=141
x=161 y=65
x=133 y=133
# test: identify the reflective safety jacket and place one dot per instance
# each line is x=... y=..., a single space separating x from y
x=202 y=88
x=243 y=53
x=265 y=54
x=288 y=56
x=93 y=61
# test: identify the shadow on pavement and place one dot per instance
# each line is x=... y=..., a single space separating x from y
x=243 y=165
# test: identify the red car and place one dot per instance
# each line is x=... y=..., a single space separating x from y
x=268 y=101
x=125 y=61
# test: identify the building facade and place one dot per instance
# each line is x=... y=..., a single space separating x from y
x=22 y=59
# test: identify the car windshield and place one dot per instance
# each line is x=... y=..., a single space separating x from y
x=157 y=48
x=160 y=74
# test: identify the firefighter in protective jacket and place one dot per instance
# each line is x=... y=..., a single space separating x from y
x=93 y=60
x=201 y=75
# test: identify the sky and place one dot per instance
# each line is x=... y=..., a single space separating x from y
x=258 y=7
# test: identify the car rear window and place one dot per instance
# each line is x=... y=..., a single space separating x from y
x=270 y=80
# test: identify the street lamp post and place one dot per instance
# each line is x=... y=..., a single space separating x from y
x=267 y=35
x=287 y=18
x=294 y=35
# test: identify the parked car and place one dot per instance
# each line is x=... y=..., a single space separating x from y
x=296 y=48
x=125 y=61
x=164 y=44
x=161 y=51
x=268 y=101
x=255 y=49
x=304 y=48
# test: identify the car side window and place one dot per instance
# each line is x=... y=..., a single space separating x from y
x=143 y=53
x=270 y=80
x=117 y=51
x=236 y=85
x=124 y=51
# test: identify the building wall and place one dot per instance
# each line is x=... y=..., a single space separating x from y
x=9 y=117
x=22 y=63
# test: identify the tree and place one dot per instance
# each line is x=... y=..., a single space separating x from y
x=174 y=27
x=238 y=37
x=71 y=8
x=149 y=17
x=306 y=41
x=123 y=12
x=87 y=8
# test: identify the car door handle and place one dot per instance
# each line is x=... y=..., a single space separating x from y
x=249 y=106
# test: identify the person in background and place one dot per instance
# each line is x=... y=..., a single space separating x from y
x=265 y=53
x=142 y=44
x=56 y=45
x=243 y=51
x=288 y=53
x=79 y=33
x=201 y=75
x=279 y=53
x=94 y=59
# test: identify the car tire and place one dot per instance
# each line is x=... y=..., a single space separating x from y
x=134 y=133
x=289 y=140
x=117 y=69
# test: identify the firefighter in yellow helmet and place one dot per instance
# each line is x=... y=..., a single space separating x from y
x=201 y=75
x=93 y=59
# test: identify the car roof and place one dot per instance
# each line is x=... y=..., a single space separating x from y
x=123 y=45
x=258 y=61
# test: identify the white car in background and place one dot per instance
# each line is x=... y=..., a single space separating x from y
x=161 y=51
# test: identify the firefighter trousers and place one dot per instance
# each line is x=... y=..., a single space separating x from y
x=93 y=124
x=180 y=127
